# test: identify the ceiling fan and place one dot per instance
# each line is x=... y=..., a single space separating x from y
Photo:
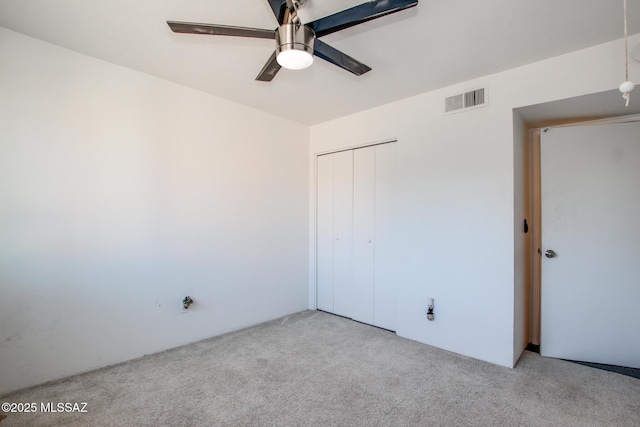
x=296 y=43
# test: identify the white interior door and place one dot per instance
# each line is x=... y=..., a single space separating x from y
x=342 y=233
x=363 y=234
x=590 y=291
x=386 y=222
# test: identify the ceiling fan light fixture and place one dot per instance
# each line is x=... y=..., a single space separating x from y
x=294 y=49
x=296 y=44
x=294 y=59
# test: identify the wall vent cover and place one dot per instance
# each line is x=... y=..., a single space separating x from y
x=453 y=103
x=463 y=101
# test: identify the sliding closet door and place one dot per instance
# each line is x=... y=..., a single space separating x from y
x=386 y=222
x=324 y=239
x=363 y=234
x=342 y=233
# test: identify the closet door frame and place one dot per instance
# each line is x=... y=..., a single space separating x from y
x=313 y=304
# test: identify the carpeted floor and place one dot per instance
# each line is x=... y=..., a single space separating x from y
x=316 y=369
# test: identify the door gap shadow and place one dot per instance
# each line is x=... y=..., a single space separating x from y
x=622 y=370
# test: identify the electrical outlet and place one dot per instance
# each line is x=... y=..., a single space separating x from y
x=430 y=308
x=186 y=303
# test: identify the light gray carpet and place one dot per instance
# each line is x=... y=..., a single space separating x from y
x=313 y=368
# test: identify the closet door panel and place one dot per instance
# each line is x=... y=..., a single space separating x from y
x=343 y=229
x=324 y=233
x=386 y=220
x=363 y=234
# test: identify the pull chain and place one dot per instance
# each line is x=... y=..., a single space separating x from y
x=626 y=48
x=627 y=86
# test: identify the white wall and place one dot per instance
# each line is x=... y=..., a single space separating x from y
x=120 y=194
x=458 y=190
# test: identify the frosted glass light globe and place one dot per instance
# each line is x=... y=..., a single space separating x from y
x=294 y=59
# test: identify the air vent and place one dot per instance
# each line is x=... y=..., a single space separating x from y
x=473 y=98
x=466 y=100
x=453 y=103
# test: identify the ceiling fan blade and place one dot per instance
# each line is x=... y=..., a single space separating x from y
x=269 y=70
x=279 y=8
x=342 y=60
x=220 y=30
x=358 y=14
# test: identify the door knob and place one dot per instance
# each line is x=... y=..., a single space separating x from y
x=550 y=254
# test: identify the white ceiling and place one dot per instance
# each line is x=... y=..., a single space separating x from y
x=436 y=44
